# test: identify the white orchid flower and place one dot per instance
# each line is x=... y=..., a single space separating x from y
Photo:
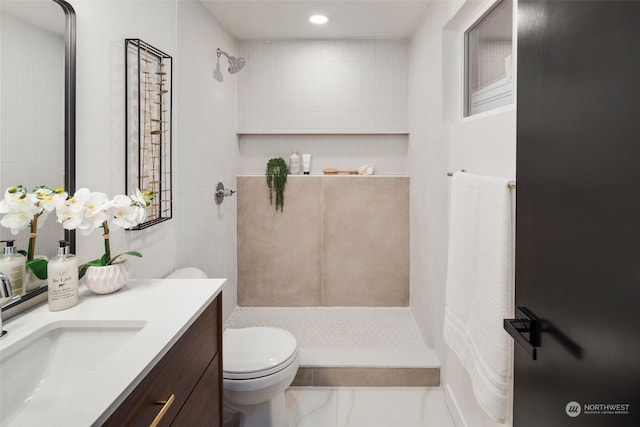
x=76 y=203
x=141 y=201
x=69 y=217
x=87 y=210
x=141 y=214
x=143 y=198
x=70 y=213
x=124 y=212
x=84 y=211
x=95 y=203
x=17 y=199
x=138 y=198
x=19 y=209
x=16 y=221
x=42 y=217
x=90 y=223
x=50 y=199
x=9 y=198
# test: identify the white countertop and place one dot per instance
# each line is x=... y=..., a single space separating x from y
x=166 y=308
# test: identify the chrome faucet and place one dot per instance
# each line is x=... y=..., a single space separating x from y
x=5 y=292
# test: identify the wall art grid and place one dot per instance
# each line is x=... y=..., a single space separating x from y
x=148 y=87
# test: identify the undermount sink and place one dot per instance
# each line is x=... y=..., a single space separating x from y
x=61 y=354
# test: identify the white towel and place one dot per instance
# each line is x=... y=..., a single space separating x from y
x=479 y=285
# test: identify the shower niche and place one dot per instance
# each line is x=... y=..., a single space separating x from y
x=148 y=127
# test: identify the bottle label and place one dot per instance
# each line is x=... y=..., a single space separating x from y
x=16 y=277
x=294 y=165
x=61 y=285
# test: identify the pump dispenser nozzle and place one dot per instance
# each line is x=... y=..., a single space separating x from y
x=9 y=248
x=63 y=248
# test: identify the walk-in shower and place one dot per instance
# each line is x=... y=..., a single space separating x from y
x=235 y=64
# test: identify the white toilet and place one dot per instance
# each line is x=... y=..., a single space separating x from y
x=258 y=364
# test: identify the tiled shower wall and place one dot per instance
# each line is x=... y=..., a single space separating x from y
x=340 y=241
x=343 y=101
x=323 y=86
x=386 y=153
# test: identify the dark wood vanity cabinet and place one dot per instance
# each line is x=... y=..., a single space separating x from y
x=185 y=386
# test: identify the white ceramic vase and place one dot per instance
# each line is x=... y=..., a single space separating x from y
x=107 y=279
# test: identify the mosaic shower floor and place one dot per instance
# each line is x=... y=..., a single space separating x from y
x=346 y=336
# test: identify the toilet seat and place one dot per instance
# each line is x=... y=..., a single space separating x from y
x=257 y=352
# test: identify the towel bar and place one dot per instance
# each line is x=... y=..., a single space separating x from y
x=511 y=184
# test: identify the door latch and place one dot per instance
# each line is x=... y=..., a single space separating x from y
x=525 y=330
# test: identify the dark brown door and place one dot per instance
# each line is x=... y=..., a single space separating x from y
x=578 y=214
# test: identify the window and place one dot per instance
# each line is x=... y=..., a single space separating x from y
x=488 y=60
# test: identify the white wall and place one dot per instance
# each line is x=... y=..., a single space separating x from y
x=102 y=27
x=442 y=141
x=205 y=151
x=428 y=170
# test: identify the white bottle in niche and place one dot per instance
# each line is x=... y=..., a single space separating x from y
x=13 y=266
x=294 y=163
x=62 y=277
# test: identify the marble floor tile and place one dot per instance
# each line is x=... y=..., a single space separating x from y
x=311 y=407
x=367 y=407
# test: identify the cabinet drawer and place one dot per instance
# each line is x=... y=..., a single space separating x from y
x=175 y=374
x=202 y=408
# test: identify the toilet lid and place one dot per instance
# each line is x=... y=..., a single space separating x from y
x=256 y=349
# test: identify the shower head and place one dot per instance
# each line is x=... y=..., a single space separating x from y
x=235 y=64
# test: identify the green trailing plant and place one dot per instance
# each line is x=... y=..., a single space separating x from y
x=276 y=174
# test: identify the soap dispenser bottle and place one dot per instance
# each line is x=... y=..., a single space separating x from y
x=294 y=163
x=13 y=264
x=62 y=277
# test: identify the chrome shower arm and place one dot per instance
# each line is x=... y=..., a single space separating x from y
x=235 y=64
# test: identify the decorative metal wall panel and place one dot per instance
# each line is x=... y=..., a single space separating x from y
x=148 y=126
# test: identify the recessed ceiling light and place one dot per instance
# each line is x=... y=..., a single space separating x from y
x=319 y=19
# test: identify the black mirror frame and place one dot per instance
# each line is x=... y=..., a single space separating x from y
x=70 y=108
x=39 y=295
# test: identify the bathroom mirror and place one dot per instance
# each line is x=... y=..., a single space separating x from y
x=37 y=110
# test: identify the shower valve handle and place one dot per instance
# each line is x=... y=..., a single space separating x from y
x=222 y=192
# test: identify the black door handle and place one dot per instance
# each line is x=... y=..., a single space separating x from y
x=525 y=323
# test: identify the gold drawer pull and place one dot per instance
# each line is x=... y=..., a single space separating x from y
x=165 y=408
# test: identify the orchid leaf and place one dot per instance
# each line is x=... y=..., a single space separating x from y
x=82 y=269
x=39 y=267
x=130 y=253
x=104 y=260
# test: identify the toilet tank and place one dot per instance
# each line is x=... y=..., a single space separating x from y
x=187 y=273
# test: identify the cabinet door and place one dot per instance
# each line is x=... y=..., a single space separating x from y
x=175 y=374
x=203 y=408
